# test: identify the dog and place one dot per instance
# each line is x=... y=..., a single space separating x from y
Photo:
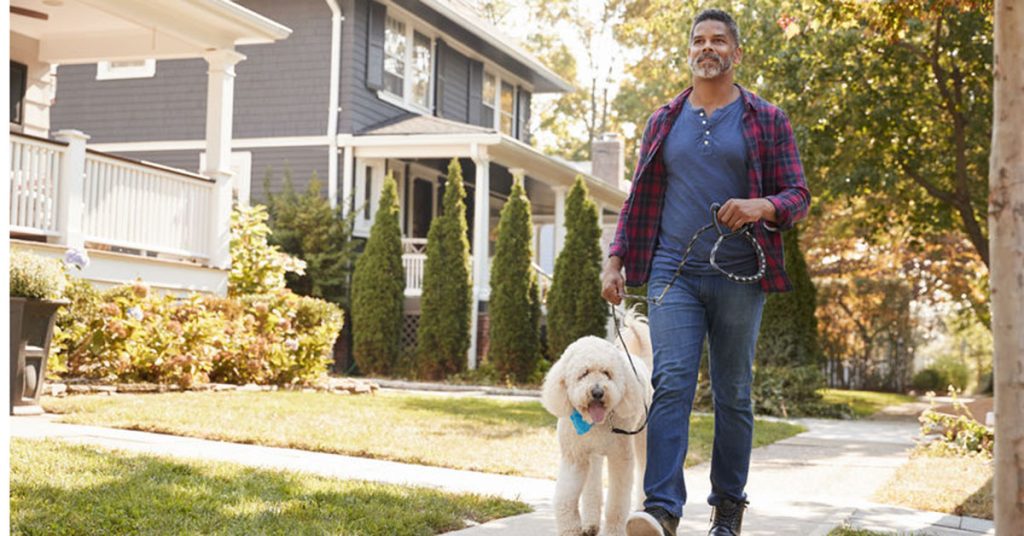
x=594 y=384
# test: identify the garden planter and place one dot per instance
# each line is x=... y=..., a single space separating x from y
x=31 y=330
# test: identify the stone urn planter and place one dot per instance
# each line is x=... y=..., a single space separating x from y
x=31 y=330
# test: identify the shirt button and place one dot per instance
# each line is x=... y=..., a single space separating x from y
x=707 y=132
x=705 y=142
x=703 y=122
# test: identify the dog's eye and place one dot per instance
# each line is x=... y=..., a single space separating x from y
x=606 y=373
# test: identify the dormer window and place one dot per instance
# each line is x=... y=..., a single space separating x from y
x=394 y=57
x=499 y=100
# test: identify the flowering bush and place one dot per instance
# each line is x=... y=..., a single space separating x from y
x=960 y=434
x=36 y=277
x=256 y=266
x=131 y=334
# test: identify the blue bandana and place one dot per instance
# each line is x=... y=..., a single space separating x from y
x=581 y=425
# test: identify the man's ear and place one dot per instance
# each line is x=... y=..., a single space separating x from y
x=737 y=57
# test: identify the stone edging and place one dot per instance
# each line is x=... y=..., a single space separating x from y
x=341 y=386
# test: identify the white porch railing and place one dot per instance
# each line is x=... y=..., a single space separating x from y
x=414 y=260
x=147 y=207
x=35 y=174
x=71 y=195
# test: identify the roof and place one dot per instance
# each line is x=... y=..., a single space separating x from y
x=544 y=80
x=411 y=123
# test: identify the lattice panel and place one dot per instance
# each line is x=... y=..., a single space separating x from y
x=410 y=326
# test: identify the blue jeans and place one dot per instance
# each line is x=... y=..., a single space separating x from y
x=729 y=314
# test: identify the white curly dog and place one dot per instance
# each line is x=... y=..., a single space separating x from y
x=594 y=378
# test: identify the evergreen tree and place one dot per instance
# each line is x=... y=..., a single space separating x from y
x=575 y=305
x=378 y=290
x=514 y=335
x=443 y=337
x=789 y=327
x=306 y=227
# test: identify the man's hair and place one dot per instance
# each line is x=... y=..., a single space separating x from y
x=720 y=16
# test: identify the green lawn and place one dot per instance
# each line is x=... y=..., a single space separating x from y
x=847 y=531
x=957 y=485
x=63 y=489
x=490 y=435
x=864 y=403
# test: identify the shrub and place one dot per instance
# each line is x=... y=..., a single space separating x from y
x=789 y=327
x=443 y=336
x=515 y=305
x=378 y=290
x=36 y=277
x=130 y=334
x=575 y=305
x=960 y=434
x=257 y=267
x=929 y=379
x=306 y=227
x=792 y=392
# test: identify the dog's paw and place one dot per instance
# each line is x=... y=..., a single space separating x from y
x=591 y=531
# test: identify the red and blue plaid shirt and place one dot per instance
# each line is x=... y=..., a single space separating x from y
x=774 y=172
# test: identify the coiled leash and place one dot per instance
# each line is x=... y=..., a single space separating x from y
x=745 y=231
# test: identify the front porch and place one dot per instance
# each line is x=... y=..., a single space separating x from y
x=416 y=152
x=166 y=226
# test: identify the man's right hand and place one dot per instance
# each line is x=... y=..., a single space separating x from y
x=613 y=286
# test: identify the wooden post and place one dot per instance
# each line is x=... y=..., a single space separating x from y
x=71 y=189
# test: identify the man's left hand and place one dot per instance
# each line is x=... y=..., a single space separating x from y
x=736 y=213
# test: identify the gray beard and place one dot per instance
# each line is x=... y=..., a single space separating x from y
x=713 y=70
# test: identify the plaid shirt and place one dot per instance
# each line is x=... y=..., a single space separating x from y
x=774 y=172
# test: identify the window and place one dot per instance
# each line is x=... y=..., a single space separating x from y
x=394 y=57
x=408 y=66
x=19 y=82
x=508 y=108
x=117 y=70
x=367 y=191
x=490 y=90
x=421 y=70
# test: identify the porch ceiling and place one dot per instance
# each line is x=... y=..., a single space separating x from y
x=87 y=31
x=498 y=148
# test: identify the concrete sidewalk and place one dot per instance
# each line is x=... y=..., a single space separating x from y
x=805 y=485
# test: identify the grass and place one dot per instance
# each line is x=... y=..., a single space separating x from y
x=489 y=435
x=864 y=403
x=63 y=489
x=849 y=531
x=957 y=485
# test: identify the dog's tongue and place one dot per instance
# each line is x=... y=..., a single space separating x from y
x=596 y=411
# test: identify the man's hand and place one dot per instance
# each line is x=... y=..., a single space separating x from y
x=613 y=286
x=736 y=213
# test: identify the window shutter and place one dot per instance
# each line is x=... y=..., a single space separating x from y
x=440 y=65
x=375 y=46
x=523 y=116
x=476 y=89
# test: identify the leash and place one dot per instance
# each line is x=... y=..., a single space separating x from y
x=746 y=231
x=647 y=413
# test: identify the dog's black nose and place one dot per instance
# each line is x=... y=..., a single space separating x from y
x=597 y=392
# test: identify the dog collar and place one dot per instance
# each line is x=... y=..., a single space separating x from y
x=581 y=425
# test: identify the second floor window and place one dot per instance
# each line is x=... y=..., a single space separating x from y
x=508 y=109
x=394 y=57
x=421 y=70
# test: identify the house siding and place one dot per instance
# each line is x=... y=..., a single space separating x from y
x=172 y=104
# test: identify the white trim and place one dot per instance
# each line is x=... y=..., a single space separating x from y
x=332 y=103
x=199 y=145
x=395 y=100
x=106 y=70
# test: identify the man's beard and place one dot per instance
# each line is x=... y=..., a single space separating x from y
x=711 y=69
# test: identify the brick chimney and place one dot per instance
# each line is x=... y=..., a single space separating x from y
x=608 y=159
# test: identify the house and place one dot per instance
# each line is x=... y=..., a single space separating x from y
x=362 y=88
x=165 y=225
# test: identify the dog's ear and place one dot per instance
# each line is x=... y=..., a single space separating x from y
x=555 y=395
x=637 y=393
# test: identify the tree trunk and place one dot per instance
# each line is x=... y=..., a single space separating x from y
x=1006 y=238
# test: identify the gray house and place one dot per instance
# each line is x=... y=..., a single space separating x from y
x=361 y=88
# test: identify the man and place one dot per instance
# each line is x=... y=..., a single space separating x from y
x=714 y=143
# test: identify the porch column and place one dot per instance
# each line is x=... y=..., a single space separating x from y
x=560 y=192
x=71 y=189
x=220 y=99
x=481 y=246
